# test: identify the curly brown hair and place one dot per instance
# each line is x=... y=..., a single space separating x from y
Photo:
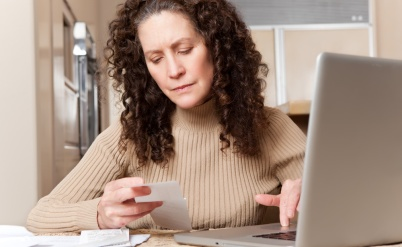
x=237 y=83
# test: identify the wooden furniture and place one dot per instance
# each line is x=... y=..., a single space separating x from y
x=298 y=111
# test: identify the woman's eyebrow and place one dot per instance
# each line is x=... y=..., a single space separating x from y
x=180 y=41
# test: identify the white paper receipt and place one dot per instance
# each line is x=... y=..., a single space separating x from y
x=173 y=214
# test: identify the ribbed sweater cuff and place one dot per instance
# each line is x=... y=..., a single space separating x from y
x=87 y=214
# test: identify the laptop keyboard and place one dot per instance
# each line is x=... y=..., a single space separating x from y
x=291 y=235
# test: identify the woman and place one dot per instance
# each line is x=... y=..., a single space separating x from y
x=188 y=74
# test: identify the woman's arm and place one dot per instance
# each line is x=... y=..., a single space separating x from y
x=287 y=153
x=72 y=205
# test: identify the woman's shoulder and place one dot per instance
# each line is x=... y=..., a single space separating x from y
x=275 y=114
x=280 y=123
x=111 y=133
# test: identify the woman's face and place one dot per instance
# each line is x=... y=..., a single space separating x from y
x=177 y=58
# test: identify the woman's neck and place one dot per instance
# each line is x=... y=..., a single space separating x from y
x=198 y=118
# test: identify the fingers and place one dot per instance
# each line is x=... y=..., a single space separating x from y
x=125 y=189
x=284 y=211
x=278 y=201
x=131 y=209
x=124 y=183
x=120 y=215
x=119 y=222
x=125 y=194
x=290 y=195
x=287 y=201
x=293 y=201
x=268 y=200
x=117 y=206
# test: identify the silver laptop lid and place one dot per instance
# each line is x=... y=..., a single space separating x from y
x=352 y=181
x=353 y=166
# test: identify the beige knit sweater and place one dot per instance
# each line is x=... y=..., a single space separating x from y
x=219 y=187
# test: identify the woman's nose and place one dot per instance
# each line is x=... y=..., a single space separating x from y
x=175 y=68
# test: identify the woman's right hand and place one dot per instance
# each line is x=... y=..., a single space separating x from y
x=117 y=206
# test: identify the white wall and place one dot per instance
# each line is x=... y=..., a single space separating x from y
x=388 y=28
x=108 y=10
x=18 y=156
x=97 y=14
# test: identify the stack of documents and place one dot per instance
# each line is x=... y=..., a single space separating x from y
x=115 y=237
x=18 y=236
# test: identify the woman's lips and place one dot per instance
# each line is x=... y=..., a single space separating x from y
x=182 y=87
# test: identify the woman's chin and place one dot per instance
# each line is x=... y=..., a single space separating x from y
x=188 y=104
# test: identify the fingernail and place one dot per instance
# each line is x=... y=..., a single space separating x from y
x=291 y=214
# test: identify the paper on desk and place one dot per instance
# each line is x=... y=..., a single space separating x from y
x=112 y=237
x=18 y=236
x=14 y=231
x=74 y=241
x=173 y=214
x=20 y=241
x=59 y=241
x=115 y=237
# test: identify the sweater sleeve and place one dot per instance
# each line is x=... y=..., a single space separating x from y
x=72 y=204
x=288 y=146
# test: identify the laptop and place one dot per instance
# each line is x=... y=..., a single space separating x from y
x=352 y=180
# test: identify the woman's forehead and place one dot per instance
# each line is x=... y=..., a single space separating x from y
x=166 y=28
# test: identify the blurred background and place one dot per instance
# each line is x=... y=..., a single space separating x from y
x=52 y=109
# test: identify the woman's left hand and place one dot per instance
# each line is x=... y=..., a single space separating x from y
x=287 y=200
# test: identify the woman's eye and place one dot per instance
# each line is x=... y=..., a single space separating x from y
x=156 y=60
x=185 y=51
